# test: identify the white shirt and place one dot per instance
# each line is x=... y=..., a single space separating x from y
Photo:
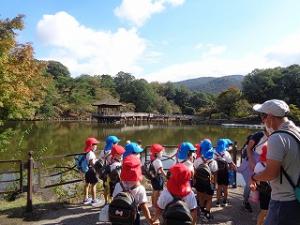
x=213 y=165
x=226 y=156
x=139 y=193
x=114 y=165
x=259 y=167
x=91 y=156
x=188 y=164
x=260 y=144
x=165 y=198
x=157 y=164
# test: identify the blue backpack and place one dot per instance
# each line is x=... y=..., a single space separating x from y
x=81 y=163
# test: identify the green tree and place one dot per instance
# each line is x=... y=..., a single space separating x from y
x=57 y=69
x=22 y=84
x=226 y=101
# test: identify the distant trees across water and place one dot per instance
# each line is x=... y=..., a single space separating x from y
x=33 y=89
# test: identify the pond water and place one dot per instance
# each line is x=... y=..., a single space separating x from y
x=46 y=138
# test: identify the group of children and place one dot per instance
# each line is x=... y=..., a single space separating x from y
x=200 y=168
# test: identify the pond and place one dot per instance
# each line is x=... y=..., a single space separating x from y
x=46 y=138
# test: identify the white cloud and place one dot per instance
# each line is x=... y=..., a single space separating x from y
x=139 y=11
x=212 y=63
x=84 y=50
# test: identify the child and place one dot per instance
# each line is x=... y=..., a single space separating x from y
x=224 y=160
x=90 y=176
x=263 y=187
x=131 y=175
x=132 y=148
x=186 y=154
x=115 y=167
x=157 y=182
x=105 y=155
x=205 y=184
x=178 y=185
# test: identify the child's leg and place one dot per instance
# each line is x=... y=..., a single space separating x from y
x=208 y=203
x=261 y=217
x=219 y=192
x=94 y=186
x=155 y=195
x=201 y=198
x=86 y=190
x=225 y=190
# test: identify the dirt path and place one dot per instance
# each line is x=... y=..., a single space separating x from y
x=78 y=214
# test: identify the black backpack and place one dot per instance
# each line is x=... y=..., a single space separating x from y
x=203 y=173
x=114 y=175
x=222 y=165
x=123 y=210
x=177 y=213
x=102 y=169
x=148 y=170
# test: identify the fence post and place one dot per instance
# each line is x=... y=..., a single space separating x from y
x=21 y=176
x=234 y=160
x=29 y=183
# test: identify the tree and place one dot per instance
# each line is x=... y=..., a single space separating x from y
x=22 y=84
x=57 y=69
x=226 y=101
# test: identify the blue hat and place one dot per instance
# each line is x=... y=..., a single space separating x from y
x=223 y=145
x=209 y=154
x=184 y=148
x=206 y=145
x=132 y=148
x=110 y=141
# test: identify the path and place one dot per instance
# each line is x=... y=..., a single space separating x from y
x=87 y=215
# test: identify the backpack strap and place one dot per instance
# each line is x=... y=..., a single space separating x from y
x=282 y=170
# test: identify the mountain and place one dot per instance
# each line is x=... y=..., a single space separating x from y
x=213 y=85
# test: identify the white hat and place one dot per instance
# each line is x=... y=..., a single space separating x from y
x=275 y=107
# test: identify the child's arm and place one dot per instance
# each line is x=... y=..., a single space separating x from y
x=232 y=166
x=146 y=213
x=157 y=215
x=162 y=171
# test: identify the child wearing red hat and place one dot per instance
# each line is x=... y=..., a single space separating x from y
x=115 y=166
x=90 y=176
x=178 y=185
x=263 y=187
x=157 y=182
x=131 y=175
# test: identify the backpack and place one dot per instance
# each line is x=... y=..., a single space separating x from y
x=282 y=171
x=148 y=170
x=177 y=213
x=101 y=169
x=122 y=209
x=114 y=175
x=222 y=164
x=81 y=163
x=264 y=187
x=203 y=174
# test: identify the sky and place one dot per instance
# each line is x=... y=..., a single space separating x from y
x=161 y=40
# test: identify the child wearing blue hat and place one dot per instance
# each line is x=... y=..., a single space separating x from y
x=225 y=162
x=132 y=148
x=105 y=155
x=186 y=154
x=205 y=171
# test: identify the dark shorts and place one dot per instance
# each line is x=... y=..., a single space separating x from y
x=206 y=188
x=264 y=200
x=91 y=177
x=283 y=213
x=223 y=178
x=157 y=183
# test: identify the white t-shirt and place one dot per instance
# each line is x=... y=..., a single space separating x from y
x=157 y=164
x=106 y=156
x=139 y=193
x=114 y=165
x=213 y=165
x=226 y=156
x=91 y=156
x=259 y=167
x=165 y=198
x=188 y=164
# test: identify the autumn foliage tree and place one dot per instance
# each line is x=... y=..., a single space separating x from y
x=22 y=84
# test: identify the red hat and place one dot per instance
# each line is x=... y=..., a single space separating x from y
x=263 y=156
x=198 y=151
x=89 y=143
x=131 y=169
x=117 y=149
x=155 y=148
x=179 y=181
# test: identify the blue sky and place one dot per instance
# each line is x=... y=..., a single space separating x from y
x=161 y=40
